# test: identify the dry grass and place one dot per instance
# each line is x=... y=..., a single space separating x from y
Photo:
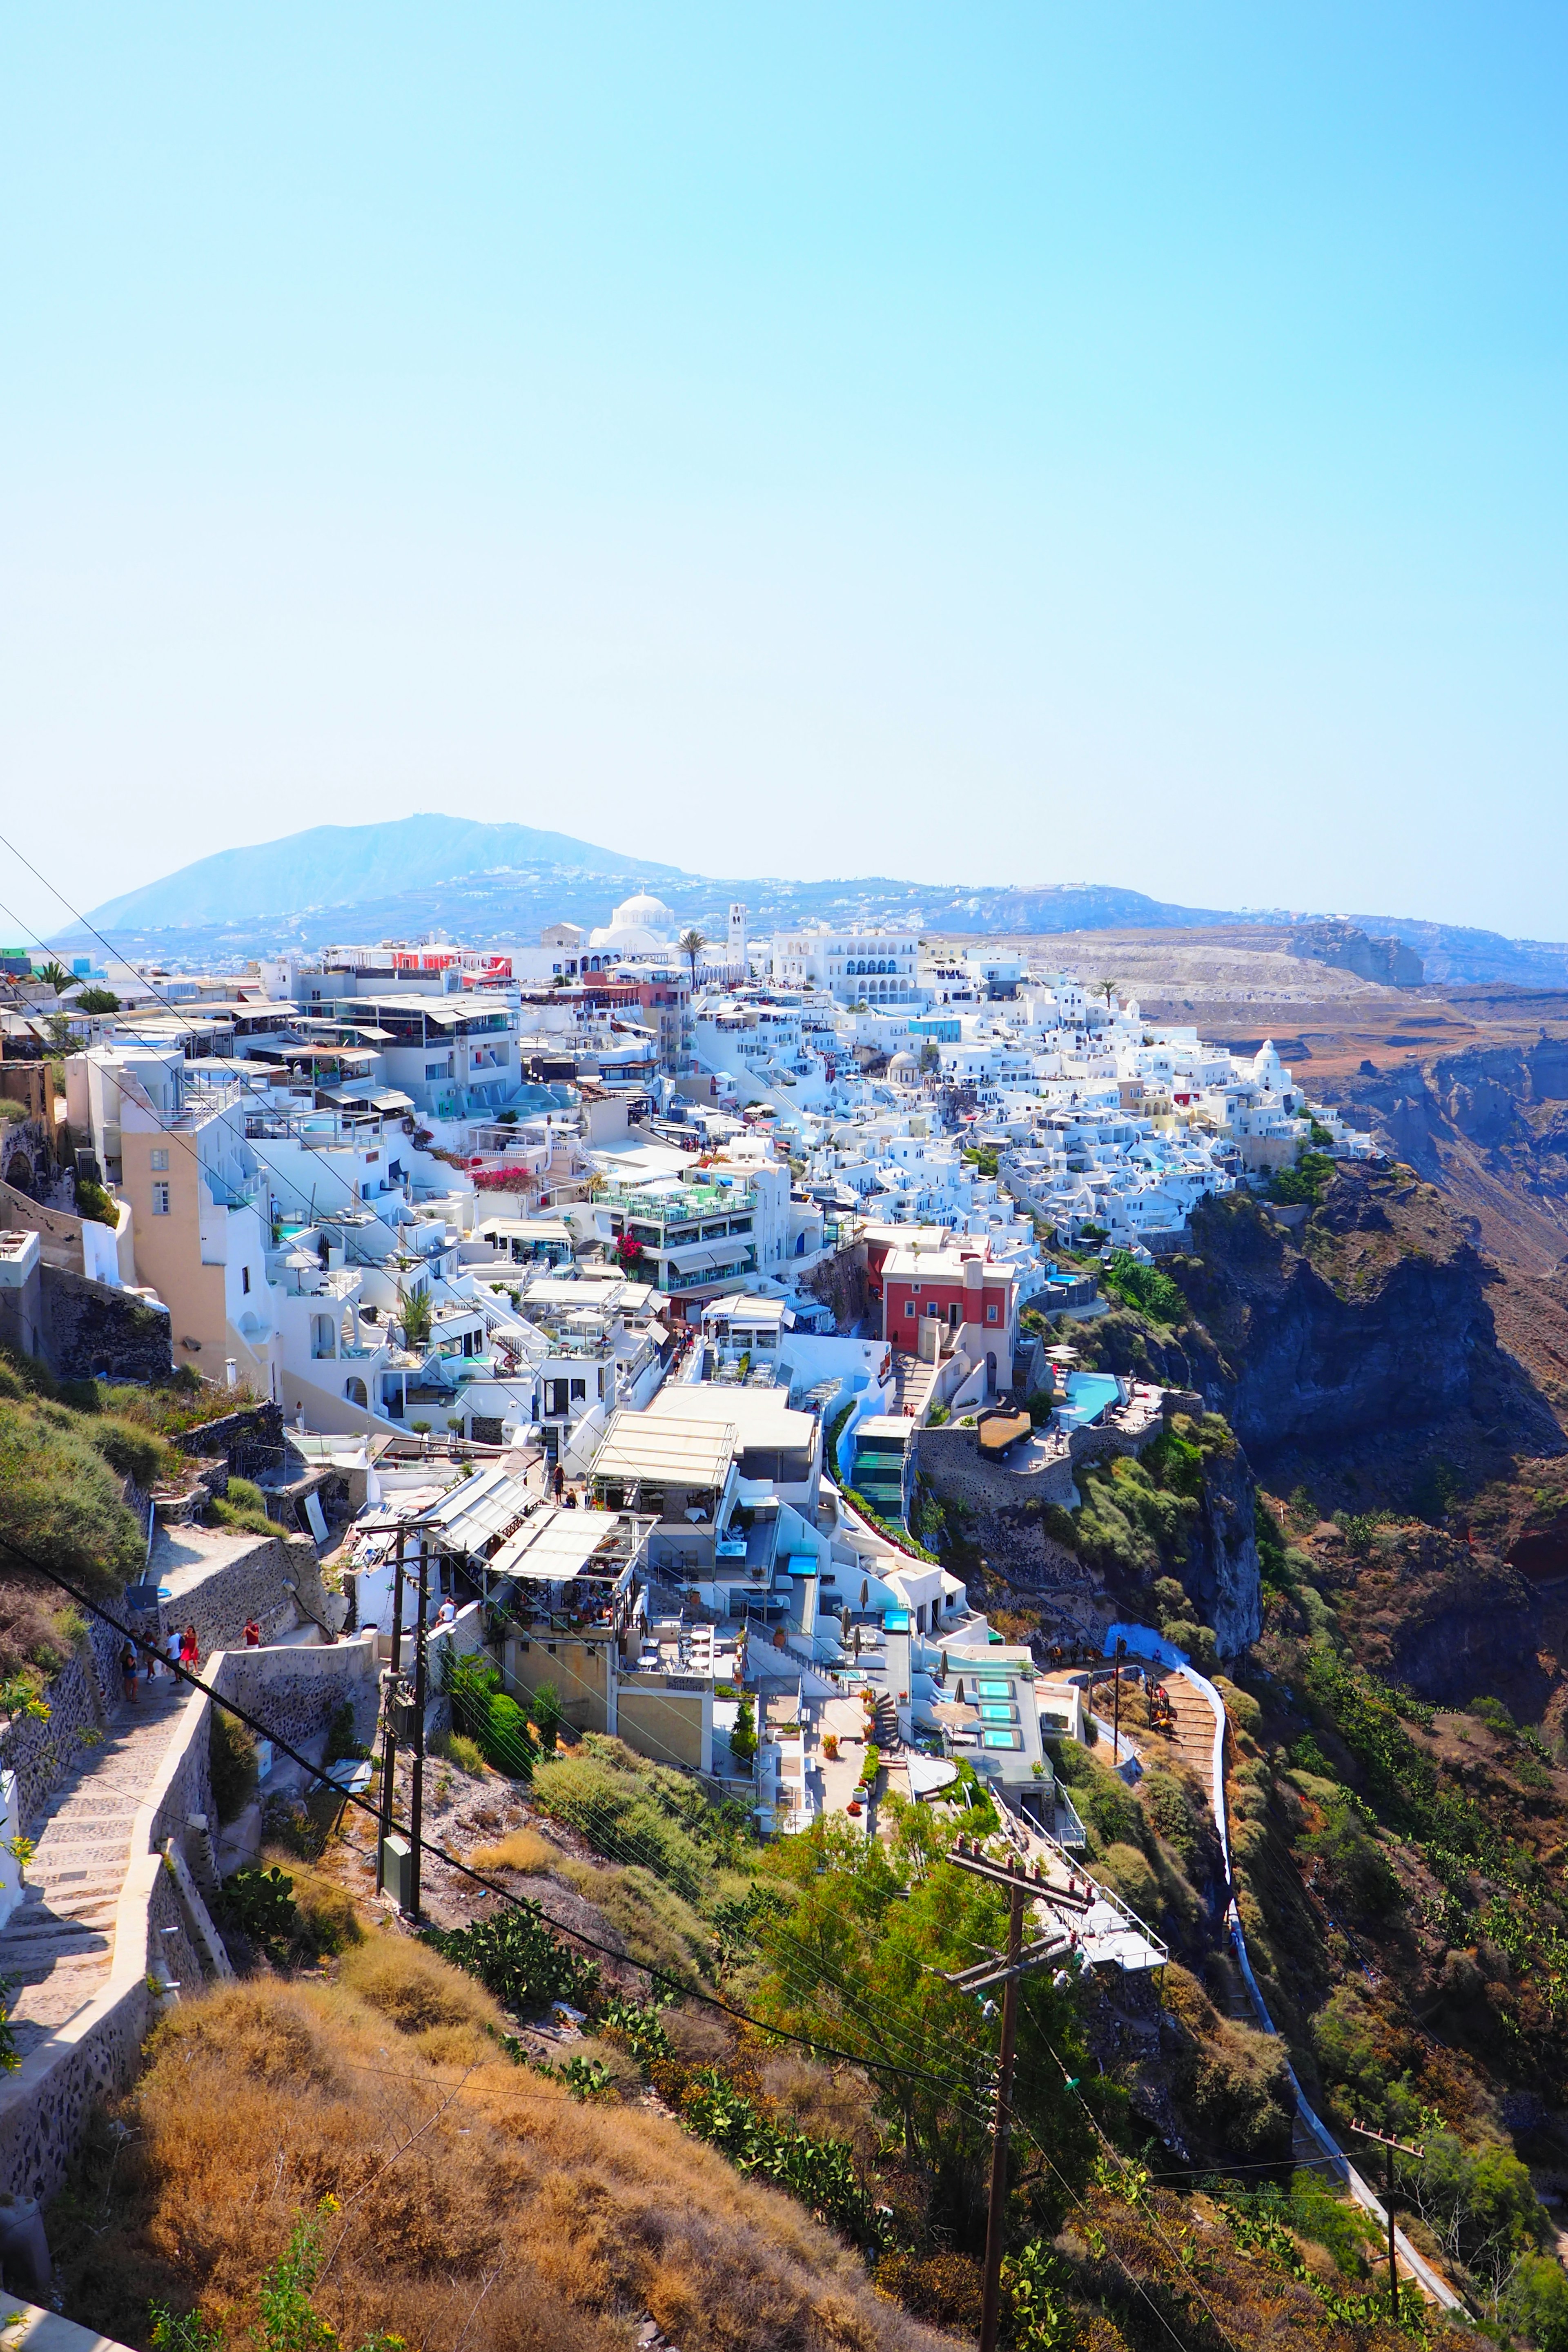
x=828 y=2105
x=655 y=1924
x=522 y=1849
x=326 y=1908
x=414 y=1989
x=462 y=2175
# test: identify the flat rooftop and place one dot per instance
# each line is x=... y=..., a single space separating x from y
x=756 y=1417
x=670 y=1449
x=556 y=1546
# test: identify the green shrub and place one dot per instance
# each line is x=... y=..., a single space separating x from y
x=1307 y=1182
x=60 y=1501
x=821 y=2173
x=485 y=1715
x=462 y=1751
x=342 y=1745
x=231 y=1750
x=547 y=1716
x=1357 y=1870
x=260 y=1905
x=136 y=1453
x=243 y=1508
x=622 y=1819
x=1154 y=1294
x=516 y=1957
x=94 y=1205
x=1129 y=1871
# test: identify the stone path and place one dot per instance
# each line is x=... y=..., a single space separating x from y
x=57 y=1947
x=1192 y=1729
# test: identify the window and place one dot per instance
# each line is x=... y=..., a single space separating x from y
x=160 y=1200
x=909 y=1307
x=160 y=1159
x=991 y=1315
x=579 y=1392
x=435 y=1069
x=556 y=1399
x=245 y=1279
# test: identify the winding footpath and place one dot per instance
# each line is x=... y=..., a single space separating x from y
x=1192 y=1699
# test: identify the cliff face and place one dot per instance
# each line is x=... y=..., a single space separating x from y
x=1221 y=1572
x=1490 y=1127
x=1370 y=1332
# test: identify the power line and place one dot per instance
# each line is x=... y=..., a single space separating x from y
x=142 y=1038
x=812 y=2044
x=427 y=1845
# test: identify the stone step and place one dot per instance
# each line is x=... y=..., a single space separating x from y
x=106 y=1878
x=31 y=1960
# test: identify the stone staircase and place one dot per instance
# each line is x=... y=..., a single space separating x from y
x=57 y=1947
x=1192 y=1729
x=912 y=1384
x=887 y=1735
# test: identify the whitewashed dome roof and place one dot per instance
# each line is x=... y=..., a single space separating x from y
x=642 y=911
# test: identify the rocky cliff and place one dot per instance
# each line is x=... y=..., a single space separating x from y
x=1362 y=1352
x=1489 y=1126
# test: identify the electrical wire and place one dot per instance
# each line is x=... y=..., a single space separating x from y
x=174 y=1134
x=813 y=2043
x=427 y=1845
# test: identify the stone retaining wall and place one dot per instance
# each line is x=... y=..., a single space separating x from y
x=97 y=2053
x=250 y=1441
x=91 y=1328
x=43 y=1753
x=220 y=1603
x=951 y=1461
x=295 y=1691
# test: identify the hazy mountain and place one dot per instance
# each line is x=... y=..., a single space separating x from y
x=420 y=873
x=344 y=865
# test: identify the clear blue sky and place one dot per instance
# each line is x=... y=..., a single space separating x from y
x=1008 y=443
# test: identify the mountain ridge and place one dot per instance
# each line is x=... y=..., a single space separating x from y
x=408 y=876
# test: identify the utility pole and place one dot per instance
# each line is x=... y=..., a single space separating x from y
x=1116 y=1704
x=1023 y=1887
x=416 y=1810
x=389 y=1728
x=1403 y=2148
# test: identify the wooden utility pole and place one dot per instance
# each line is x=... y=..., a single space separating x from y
x=416 y=1810
x=1116 y=1704
x=1403 y=2148
x=1023 y=1887
x=389 y=1726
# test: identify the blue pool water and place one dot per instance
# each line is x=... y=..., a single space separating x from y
x=1088 y=1393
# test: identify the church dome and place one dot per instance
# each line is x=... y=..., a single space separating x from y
x=903 y=1070
x=641 y=912
x=641 y=926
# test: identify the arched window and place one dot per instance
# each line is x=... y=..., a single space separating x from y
x=355 y=1392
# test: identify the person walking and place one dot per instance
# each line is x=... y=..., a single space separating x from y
x=190 y=1651
x=128 y=1670
x=252 y=1634
x=172 y=1652
x=560 y=1480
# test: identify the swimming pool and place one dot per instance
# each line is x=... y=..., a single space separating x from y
x=1088 y=1393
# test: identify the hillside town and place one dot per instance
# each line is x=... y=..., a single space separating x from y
x=598 y=1318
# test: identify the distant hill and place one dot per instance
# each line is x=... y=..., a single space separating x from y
x=419 y=873
x=345 y=864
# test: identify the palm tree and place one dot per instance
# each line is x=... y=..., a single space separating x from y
x=691 y=944
x=415 y=1317
x=1107 y=988
x=55 y=976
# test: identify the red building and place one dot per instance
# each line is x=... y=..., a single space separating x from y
x=960 y=1284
